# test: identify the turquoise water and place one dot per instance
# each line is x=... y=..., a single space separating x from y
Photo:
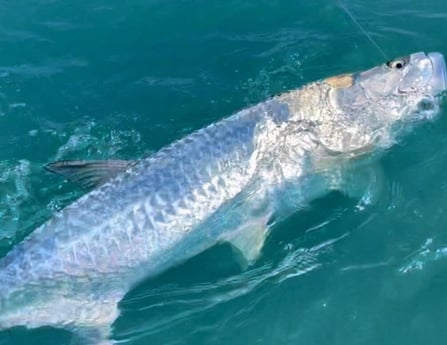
x=109 y=79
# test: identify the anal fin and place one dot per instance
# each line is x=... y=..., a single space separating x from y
x=94 y=335
x=95 y=324
x=90 y=320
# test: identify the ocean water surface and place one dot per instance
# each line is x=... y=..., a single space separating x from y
x=112 y=79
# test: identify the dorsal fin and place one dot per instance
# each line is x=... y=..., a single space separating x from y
x=89 y=174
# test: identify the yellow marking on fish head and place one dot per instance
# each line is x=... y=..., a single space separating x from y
x=340 y=81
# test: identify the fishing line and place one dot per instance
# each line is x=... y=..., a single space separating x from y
x=342 y=5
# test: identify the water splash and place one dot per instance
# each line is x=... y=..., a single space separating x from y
x=91 y=141
x=15 y=192
x=275 y=77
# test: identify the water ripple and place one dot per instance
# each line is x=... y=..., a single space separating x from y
x=178 y=304
x=428 y=252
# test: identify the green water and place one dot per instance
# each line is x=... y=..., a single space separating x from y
x=112 y=79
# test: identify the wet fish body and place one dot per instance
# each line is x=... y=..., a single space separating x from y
x=222 y=183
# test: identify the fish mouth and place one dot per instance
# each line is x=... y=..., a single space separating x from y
x=439 y=79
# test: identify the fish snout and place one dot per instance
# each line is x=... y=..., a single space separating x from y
x=439 y=78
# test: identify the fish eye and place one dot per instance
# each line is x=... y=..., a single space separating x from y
x=397 y=64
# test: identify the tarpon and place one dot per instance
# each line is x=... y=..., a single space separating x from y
x=223 y=183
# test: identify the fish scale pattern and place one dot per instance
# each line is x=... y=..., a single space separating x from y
x=142 y=213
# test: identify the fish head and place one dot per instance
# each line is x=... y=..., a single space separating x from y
x=407 y=85
x=378 y=103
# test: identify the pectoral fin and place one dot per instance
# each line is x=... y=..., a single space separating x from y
x=362 y=183
x=248 y=240
x=89 y=174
